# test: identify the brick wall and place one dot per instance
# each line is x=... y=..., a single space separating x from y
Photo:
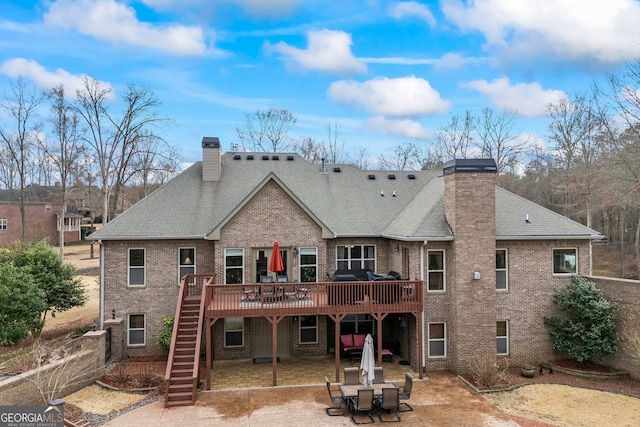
x=40 y=223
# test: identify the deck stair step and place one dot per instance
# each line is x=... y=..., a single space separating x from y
x=181 y=386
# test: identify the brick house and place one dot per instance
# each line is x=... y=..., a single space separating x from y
x=43 y=212
x=477 y=264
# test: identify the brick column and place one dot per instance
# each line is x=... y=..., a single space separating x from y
x=117 y=338
x=471 y=277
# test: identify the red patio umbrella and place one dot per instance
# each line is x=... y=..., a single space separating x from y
x=276 y=264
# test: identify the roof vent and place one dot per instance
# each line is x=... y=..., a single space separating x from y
x=323 y=168
x=392 y=176
x=371 y=176
x=412 y=176
x=336 y=169
x=250 y=157
x=290 y=158
x=275 y=157
x=236 y=157
x=265 y=157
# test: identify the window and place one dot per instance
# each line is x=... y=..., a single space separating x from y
x=356 y=324
x=186 y=262
x=308 y=329
x=565 y=261
x=501 y=270
x=47 y=208
x=233 y=266
x=234 y=332
x=356 y=257
x=308 y=264
x=136 y=330
x=502 y=337
x=136 y=267
x=435 y=260
x=3 y=223
x=437 y=339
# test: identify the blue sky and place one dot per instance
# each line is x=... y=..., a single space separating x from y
x=385 y=71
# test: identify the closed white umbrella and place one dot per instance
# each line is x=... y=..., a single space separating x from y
x=368 y=362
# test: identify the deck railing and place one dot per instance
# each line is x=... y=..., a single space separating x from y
x=313 y=298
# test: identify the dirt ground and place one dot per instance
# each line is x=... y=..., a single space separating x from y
x=535 y=405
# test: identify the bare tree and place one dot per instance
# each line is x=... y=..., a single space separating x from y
x=406 y=156
x=65 y=150
x=114 y=141
x=499 y=140
x=267 y=130
x=334 y=146
x=21 y=107
x=454 y=139
x=310 y=150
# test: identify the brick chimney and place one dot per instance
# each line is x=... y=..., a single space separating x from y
x=470 y=211
x=211 y=159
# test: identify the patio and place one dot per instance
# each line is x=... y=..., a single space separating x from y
x=232 y=374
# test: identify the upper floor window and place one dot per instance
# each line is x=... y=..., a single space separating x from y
x=233 y=266
x=186 y=261
x=136 y=267
x=3 y=223
x=308 y=264
x=502 y=283
x=565 y=261
x=437 y=339
x=502 y=337
x=47 y=208
x=435 y=266
x=356 y=257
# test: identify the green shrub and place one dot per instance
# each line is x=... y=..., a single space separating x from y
x=163 y=339
x=587 y=328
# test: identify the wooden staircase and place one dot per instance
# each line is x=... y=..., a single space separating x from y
x=181 y=379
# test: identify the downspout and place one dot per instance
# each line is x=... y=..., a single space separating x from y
x=101 y=285
x=424 y=353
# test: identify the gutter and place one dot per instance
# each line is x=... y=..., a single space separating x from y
x=553 y=237
x=101 y=285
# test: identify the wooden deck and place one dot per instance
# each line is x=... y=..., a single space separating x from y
x=317 y=298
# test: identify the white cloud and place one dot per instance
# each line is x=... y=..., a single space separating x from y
x=328 y=51
x=118 y=24
x=35 y=72
x=411 y=8
x=404 y=96
x=271 y=7
x=526 y=99
x=572 y=30
x=404 y=127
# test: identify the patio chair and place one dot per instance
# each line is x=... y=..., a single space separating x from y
x=336 y=399
x=390 y=402
x=405 y=394
x=362 y=403
x=283 y=278
x=268 y=294
x=379 y=375
x=266 y=279
x=290 y=293
x=351 y=376
x=250 y=294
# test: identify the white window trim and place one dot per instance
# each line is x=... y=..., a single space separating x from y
x=47 y=208
x=505 y=337
x=129 y=267
x=444 y=271
x=315 y=248
x=362 y=260
x=180 y=266
x=242 y=266
x=300 y=328
x=564 y=248
x=3 y=223
x=444 y=340
x=233 y=330
x=144 y=330
x=506 y=270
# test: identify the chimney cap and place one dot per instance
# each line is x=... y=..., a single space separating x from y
x=210 y=142
x=470 y=166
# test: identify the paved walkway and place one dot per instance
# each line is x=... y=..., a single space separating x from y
x=441 y=399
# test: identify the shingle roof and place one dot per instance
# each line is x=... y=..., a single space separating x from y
x=346 y=203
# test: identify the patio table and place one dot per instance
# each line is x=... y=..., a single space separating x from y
x=349 y=391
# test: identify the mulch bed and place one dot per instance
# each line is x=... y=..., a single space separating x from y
x=513 y=377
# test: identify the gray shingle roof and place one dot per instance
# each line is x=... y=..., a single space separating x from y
x=346 y=203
